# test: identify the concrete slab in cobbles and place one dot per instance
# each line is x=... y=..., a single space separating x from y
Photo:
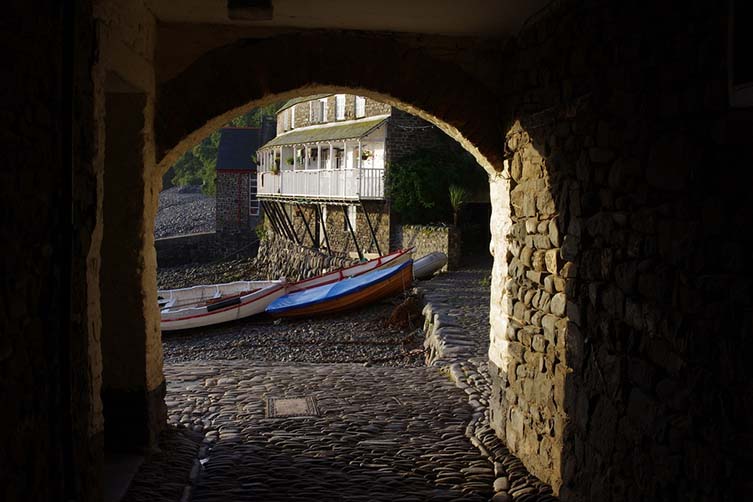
x=382 y=434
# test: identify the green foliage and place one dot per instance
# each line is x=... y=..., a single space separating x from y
x=458 y=197
x=197 y=166
x=261 y=232
x=419 y=183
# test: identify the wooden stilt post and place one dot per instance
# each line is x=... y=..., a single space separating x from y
x=352 y=233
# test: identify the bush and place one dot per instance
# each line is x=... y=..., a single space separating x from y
x=419 y=183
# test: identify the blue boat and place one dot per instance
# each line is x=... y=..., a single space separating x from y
x=346 y=294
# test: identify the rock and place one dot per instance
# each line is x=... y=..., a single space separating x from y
x=552 y=261
x=558 y=304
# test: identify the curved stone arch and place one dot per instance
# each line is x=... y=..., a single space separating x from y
x=250 y=73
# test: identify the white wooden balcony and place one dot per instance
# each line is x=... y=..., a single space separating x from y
x=324 y=184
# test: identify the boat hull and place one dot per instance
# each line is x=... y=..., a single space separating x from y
x=426 y=266
x=193 y=307
x=395 y=280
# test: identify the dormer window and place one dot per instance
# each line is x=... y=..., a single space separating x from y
x=292 y=117
x=340 y=107
x=360 y=106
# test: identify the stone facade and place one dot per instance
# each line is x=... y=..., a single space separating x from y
x=302 y=114
x=407 y=134
x=233 y=192
x=428 y=239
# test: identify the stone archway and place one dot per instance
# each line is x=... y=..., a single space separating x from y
x=235 y=78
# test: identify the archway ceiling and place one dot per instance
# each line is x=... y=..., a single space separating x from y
x=486 y=18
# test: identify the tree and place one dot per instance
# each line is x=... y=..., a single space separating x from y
x=198 y=165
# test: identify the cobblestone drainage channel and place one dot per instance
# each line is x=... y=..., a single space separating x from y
x=279 y=407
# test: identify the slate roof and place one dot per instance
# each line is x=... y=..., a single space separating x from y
x=302 y=99
x=328 y=133
x=237 y=146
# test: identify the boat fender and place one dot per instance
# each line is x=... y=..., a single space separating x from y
x=223 y=304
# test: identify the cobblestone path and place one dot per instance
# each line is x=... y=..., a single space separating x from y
x=382 y=434
x=394 y=432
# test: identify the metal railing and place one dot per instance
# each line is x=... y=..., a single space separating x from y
x=351 y=184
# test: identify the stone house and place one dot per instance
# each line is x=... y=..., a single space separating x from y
x=322 y=179
x=237 y=205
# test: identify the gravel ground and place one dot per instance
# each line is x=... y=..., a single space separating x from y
x=359 y=336
x=194 y=274
x=184 y=210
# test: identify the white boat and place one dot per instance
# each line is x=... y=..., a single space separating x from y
x=426 y=266
x=204 y=305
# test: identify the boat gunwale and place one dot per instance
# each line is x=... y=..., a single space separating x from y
x=397 y=254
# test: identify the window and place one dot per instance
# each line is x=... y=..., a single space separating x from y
x=292 y=117
x=340 y=107
x=360 y=106
x=318 y=111
x=285 y=120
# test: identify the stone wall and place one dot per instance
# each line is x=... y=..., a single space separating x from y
x=621 y=321
x=339 y=237
x=232 y=214
x=428 y=239
x=180 y=249
x=408 y=133
x=279 y=257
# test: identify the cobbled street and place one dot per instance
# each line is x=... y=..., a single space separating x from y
x=376 y=423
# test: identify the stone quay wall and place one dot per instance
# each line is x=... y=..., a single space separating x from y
x=428 y=239
x=180 y=249
x=279 y=257
x=204 y=247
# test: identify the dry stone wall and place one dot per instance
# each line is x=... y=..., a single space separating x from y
x=621 y=369
x=339 y=238
x=428 y=239
x=279 y=257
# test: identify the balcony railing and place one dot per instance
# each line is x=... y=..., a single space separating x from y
x=348 y=184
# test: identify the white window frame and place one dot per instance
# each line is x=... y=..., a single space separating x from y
x=292 y=117
x=360 y=107
x=340 y=107
x=285 y=120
